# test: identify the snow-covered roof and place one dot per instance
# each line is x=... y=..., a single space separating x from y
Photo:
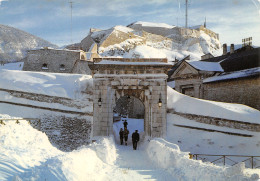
x=150 y=24
x=234 y=75
x=206 y=66
x=131 y=63
x=56 y=49
x=123 y=29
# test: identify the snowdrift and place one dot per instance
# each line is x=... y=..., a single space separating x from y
x=27 y=154
x=168 y=156
x=52 y=84
x=185 y=104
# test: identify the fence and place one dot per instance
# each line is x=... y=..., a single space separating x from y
x=250 y=161
x=34 y=122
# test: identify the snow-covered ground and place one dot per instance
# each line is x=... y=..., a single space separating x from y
x=27 y=154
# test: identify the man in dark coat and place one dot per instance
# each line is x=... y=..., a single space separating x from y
x=121 y=134
x=126 y=132
x=125 y=124
x=135 y=139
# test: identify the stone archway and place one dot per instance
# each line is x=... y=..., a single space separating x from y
x=129 y=106
x=141 y=78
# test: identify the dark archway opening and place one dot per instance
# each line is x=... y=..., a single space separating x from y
x=132 y=110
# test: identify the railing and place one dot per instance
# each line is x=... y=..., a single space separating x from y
x=250 y=161
x=34 y=122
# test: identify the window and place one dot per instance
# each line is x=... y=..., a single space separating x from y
x=44 y=66
x=188 y=90
x=62 y=67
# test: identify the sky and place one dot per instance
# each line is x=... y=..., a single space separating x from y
x=51 y=19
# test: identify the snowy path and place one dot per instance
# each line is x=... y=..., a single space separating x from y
x=137 y=163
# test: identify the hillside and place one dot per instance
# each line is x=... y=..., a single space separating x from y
x=152 y=40
x=14 y=43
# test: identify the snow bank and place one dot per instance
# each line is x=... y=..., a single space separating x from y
x=185 y=104
x=105 y=149
x=27 y=154
x=22 y=147
x=177 y=163
x=12 y=66
x=53 y=84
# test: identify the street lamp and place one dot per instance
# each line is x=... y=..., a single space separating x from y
x=99 y=102
x=160 y=102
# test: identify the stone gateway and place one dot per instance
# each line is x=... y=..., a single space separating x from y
x=144 y=79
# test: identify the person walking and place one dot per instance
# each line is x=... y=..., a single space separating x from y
x=126 y=132
x=125 y=124
x=135 y=139
x=121 y=134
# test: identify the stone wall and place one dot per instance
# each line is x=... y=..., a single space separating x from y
x=242 y=91
x=116 y=37
x=67 y=133
x=59 y=61
x=220 y=121
x=194 y=82
x=81 y=67
x=67 y=128
x=145 y=82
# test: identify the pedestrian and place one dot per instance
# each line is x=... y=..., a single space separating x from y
x=126 y=132
x=135 y=139
x=121 y=134
x=125 y=124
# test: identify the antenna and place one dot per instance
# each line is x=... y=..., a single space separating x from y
x=186 y=14
x=247 y=42
x=71 y=20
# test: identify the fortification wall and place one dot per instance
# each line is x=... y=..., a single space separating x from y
x=219 y=121
x=50 y=60
x=66 y=123
x=242 y=91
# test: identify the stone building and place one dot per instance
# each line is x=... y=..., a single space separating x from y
x=59 y=61
x=233 y=77
x=119 y=78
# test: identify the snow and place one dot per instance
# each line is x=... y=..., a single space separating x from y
x=233 y=75
x=123 y=29
x=150 y=24
x=54 y=84
x=214 y=143
x=27 y=154
x=36 y=159
x=207 y=66
x=104 y=61
x=177 y=163
x=12 y=66
x=185 y=104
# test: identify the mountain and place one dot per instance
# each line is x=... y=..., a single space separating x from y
x=14 y=43
x=153 y=40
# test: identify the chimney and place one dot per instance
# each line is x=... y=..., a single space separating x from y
x=224 y=49
x=232 y=48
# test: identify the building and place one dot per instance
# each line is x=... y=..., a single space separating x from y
x=59 y=61
x=233 y=77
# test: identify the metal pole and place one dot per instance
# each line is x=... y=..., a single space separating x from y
x=186 y=15
x=224 y=160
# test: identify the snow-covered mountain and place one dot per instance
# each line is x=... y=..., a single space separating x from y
x=14 y=43
x=153 y=40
